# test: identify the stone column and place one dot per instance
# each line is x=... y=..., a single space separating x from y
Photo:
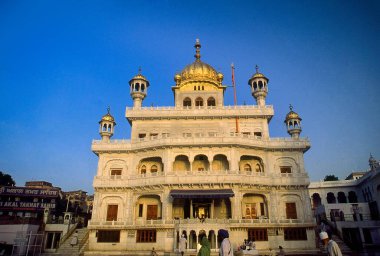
x=191 y=209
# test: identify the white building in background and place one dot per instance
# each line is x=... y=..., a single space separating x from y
x=197 y=167
x=351 y=206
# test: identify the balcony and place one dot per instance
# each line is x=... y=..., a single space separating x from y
x=219 y=139
x=198 y=112
x=203 y=177
x=191 y=223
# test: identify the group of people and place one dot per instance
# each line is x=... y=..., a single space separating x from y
x=226 y=248
x=205 y=250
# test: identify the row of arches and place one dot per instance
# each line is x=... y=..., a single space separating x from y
x=151 y=207
x=260 y=85
x=247 y=164
x=106 y=128
x=137 y=87
x=199 y=102
x=332 y=199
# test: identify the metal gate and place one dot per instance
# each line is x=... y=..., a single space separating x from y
x=28 y=243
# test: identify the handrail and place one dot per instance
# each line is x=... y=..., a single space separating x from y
x=68 y=234
x=83 y=241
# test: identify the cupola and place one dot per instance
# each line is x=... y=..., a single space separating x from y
x=259 y=87
x=138 y=89
x=293 y=123
x=198 y=71
x=107 y=124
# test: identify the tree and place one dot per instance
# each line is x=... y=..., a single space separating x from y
x=6 y=180
x=331 y=177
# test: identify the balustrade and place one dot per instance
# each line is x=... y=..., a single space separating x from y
x=193 y=222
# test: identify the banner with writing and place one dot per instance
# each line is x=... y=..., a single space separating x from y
x=21 y=191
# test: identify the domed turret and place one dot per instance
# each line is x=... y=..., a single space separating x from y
x=293 y=123
x=107 y=124
x=138 y=89
x=259 y=87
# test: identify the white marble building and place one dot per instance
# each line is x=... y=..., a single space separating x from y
x=200 y=166
x=351 y=206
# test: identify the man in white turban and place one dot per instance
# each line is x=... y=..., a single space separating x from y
x=331 y=246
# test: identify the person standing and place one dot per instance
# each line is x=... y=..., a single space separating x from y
x=331 y=246
x=74 y=240
x=153 y=252
x=182 y=244
x=281 y=252
x=225 y=246
x=205 y=246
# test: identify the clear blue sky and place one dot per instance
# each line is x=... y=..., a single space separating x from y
x=63 y=62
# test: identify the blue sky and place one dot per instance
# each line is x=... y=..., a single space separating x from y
x=63 y=62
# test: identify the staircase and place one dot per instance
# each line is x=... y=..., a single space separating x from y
x=66 y=249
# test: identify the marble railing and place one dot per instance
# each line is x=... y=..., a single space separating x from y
x=191 y=222
x=197 y=177
x=218 y=139
x=165 y=112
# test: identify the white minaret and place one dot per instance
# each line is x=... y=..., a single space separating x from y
x=138 y=89
x=107 y=124
x=293 y=123
x=259 y=87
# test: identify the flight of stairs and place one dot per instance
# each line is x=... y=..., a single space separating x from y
x=66 y=249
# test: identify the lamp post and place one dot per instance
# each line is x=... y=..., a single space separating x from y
x=67 y=205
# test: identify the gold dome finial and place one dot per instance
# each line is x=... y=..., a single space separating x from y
x=139 y=70
x=108 y=109
x=290 y=107
x=257 y=69
x=197 y=49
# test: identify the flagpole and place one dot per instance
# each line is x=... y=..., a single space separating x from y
x=235 y=98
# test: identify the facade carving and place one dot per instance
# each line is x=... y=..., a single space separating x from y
x=197 y=167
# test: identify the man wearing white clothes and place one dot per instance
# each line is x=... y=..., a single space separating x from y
x=225 y=247
x=182 y=244
x=331 y=246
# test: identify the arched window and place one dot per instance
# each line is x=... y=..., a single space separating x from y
x=260 y=85
x=352 y=198
x=316 y=200
x=104 y=128
x=143 y=169
x=331 y=198
x=137 y=86
x=258 y=168
x=153 y=169
x=247 y=168
x=187 y=102
x=199 y=102
x=211 y=102
x=142 y=87
x=109 y=128
x=342 y=198
x=254 y=85
x=195 y=88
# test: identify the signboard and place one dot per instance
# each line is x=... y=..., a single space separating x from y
x=22 y=191
x=25 y=205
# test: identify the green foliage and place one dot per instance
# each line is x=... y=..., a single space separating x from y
x=6 y=180
x=331 y=177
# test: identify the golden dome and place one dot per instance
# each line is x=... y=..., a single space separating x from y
x=199 y=70
x=108 y=117
x=139 y=76
x=258 y=74
x=292 y=115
